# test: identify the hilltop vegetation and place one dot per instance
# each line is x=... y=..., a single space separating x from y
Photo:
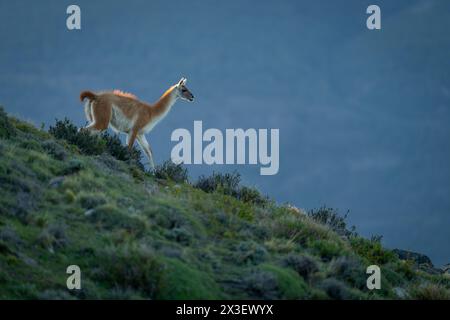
x=71 y=198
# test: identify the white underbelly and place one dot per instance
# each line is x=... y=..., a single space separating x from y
x=119 y=122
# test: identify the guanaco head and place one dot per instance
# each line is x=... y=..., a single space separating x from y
x=182 y=91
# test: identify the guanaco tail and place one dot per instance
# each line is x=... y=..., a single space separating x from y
x=124 y=113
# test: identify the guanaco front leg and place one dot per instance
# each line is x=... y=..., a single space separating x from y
x=146 y=147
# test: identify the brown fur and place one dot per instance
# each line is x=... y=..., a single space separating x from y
x=132 y=116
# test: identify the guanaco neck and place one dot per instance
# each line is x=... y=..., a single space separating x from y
x=162 y=107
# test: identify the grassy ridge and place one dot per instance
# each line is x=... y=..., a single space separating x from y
x=142 y=235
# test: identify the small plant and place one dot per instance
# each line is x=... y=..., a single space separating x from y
x=6 y=128
x=335 y=289
x=227 y=183
x=249 y=252
x=261 y=285
x=331 y=218
x=91 y=144
x=53 y=237
x=350 y=270
x=430 y=291
x=171 y=171
x=130 y=266
x=115 y=148
x=253 y=196
x=88 y=143
x=303 y=265
x=372 y=250
x=54 y=149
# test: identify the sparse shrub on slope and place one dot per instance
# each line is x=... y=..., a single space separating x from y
x=331 y=218
x=372 y=250
x=129 y=266
x=88 y=143
x=6 y=129
x=229 y=184
x=92 y=144
x=430 y=291
x=305 y=266
x=171 y=171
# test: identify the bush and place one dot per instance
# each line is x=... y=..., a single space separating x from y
x=249 y=252
x=54 y=149
x=53 y=237
x=372 y=250
x=171 y=171
x=92 y=144
x=261 y=285
x=115 y=148
x=90 y=201
x=72 y=167
x=331 y=218
x=252 y=195
x=6 y=128
x=349 y=270
x=335 y=289
x=303 y=265
x=88 y=143
x=110 y=218
x=326 y=249
x=430 y=291
x=181 y=235
x=229 y=184
x=133 y=267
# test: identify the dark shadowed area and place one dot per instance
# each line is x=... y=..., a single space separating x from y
x=363 y=115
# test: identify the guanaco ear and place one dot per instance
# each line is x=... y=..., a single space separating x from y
x=182 y=82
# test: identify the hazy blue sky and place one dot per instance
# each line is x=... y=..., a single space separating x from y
x=363 y=115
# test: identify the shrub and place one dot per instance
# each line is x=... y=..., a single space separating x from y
x=290 y=285
x=54 y=149
x=335 y=289
x=171 y=171
x=9 y=235
x=249 y=252
x=261 y=285
x=133 y=267
x=326 y=249
x=6 y=128
x=305 y=266
x=181 y=235
x=115 y=148
x=92 y=144
x=372 y=250
x=72 y=167
x=88 y=143
x=90 y=201
x=227 y=183
x=430 y=291
x=253 y=196
x=331 y=218
x=110 y=218
x=53 y=237
x=350 y=270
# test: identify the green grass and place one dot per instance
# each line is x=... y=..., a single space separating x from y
x=140 y=235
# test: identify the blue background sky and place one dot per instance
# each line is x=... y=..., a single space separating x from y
x=363 y=115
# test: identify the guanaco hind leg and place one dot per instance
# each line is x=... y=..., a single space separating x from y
x=99 y=113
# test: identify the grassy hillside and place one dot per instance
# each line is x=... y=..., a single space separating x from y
x=70 y=198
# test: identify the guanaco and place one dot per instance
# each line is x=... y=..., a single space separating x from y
x=124 y=113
